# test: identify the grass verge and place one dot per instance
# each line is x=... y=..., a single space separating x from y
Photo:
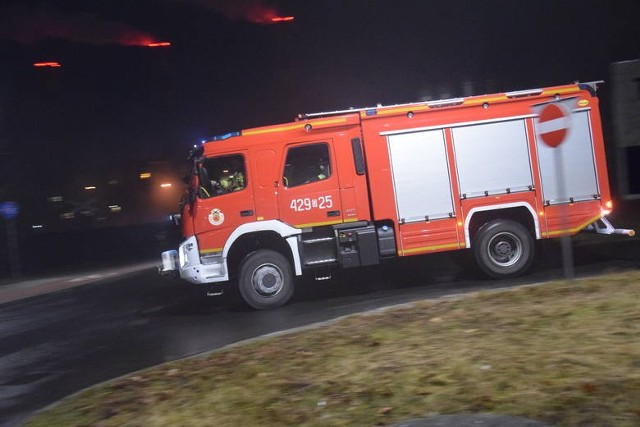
x=566 y=353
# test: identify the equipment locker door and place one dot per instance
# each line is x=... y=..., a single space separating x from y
x=423 y=192
x=309 y=195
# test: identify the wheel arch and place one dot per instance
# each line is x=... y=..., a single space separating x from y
x=262 y=235
x=520 y=212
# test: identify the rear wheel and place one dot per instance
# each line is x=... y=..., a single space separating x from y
x=265 y=279
x=503 y=248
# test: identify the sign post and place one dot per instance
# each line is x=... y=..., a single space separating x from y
x=9 y=211
x=553 y=124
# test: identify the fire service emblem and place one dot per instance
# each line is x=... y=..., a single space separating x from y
x=216 y=217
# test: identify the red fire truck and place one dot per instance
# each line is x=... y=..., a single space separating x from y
x=352 y=188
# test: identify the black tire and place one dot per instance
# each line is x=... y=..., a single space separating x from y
x=503 y=248
x=265 y=279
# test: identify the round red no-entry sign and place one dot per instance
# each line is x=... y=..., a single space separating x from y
x=554 y=122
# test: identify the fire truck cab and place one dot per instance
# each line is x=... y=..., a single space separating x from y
x=351 y=188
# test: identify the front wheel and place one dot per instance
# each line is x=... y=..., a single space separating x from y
x=265 y=279
x=503 y=248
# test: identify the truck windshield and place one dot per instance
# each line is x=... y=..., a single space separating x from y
x=221 y=175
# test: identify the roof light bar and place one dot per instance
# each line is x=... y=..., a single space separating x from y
x=225 y=136
x=523 y=93
x=445 y=103
x=369 y=111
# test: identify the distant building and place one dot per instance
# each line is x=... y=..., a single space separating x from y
x=625 y=100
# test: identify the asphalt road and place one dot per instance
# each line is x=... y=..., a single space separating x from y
x=58 y=343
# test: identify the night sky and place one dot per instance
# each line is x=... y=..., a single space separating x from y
x=114 y=103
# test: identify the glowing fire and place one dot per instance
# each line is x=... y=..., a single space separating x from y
x=278 y=19
x=32 y=25
x=47 y=64
x=257 y=13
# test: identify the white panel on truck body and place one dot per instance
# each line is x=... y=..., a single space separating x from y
x=492 y=158
x=420 y=175
x=576 y=163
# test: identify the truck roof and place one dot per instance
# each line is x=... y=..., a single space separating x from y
x=327 y=119
x=469 y=100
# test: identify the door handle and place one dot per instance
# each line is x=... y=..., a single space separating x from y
x=247 y=213
x=333 y=213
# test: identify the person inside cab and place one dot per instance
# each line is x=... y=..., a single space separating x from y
x=323 y=169
x=231 y=182
x=222 y=175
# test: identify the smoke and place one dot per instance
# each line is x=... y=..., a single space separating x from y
x=28 y=26
x=253 y=11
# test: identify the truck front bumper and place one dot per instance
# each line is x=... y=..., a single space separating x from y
x=190 y=266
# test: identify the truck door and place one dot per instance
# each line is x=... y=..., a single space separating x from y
x=309 y=194
x=224 y=199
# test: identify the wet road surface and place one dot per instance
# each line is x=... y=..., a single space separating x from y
x=59 y=343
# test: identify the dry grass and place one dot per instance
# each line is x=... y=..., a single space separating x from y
x=564 y=353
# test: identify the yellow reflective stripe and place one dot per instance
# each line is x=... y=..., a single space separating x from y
x=572 y=230
x=298 y=125
x=329 y=122
x=432 y=248
x=560 y=91
x=485 y=99
x=319 y=224
x=397 y=110
x=210 y=251
x=278 y=129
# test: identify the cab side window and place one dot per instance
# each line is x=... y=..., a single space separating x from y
x=221 y=175
x=306 y=164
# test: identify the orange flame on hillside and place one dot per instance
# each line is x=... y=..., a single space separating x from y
x=159 y=44
x=279 y=19
x=47 y=64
